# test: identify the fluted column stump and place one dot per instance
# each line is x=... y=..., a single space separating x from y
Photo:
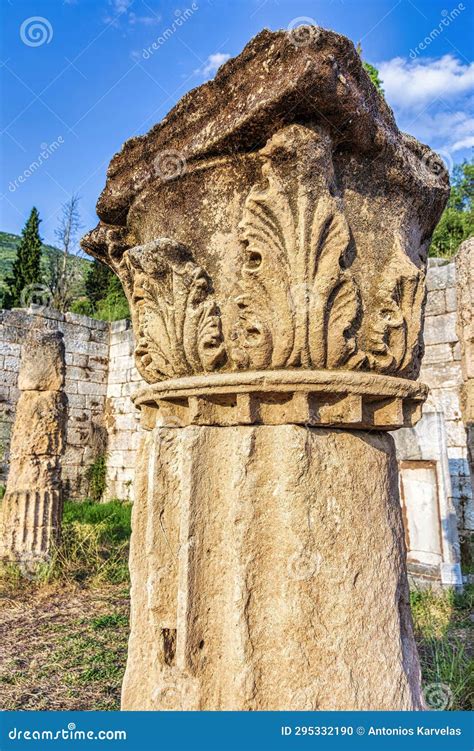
x=33 y=501
x=271 y=236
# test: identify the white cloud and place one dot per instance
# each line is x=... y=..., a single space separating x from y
x=465 y=143
x=121 y=11
x=213 y=63
x=133 y=19
x=120 y=6
x=414 y=84
x=432 y=99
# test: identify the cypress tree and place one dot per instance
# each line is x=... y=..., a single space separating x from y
x=26 y=267
x=97 y=281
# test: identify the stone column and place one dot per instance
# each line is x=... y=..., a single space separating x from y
x=32 y=506
x=271 y=235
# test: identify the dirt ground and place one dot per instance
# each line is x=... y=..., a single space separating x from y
x=63 y=648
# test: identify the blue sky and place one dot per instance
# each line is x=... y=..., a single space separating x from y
x=77 y=79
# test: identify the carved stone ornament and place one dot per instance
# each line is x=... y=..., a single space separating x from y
x=271 y=236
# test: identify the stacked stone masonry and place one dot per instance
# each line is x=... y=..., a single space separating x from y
x=442 y=371
x=101 y=376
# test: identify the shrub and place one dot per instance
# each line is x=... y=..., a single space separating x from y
x=96 y=477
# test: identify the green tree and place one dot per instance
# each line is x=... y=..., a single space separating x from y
x=26 y=266
x=114 y=306
x=457 y=221
x=105 y=298
x=372 y=71
x=97 y=282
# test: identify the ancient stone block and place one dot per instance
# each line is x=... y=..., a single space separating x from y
x=437 y=353
x=201 y=575
x=32 y=506
x=441 y=277
x=271 y=237
x=42 y=365
x=436 y=303
x=440 y=329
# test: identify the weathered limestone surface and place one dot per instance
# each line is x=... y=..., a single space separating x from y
x=32 y=506
x=447 y=370
x=293 y=230
x=465 y=310
x=87 y=344
x=260 y=559
x=465 y=278
x=271 y=236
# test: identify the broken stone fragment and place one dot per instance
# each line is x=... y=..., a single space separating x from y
x=32 y=506
x=42 y=363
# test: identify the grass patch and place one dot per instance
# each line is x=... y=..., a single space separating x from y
x=443 y=631
x=93 y=549
x=116 y=620
x=114 y=516
x=73 y=647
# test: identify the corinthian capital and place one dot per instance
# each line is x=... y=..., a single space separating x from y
x=271 y=236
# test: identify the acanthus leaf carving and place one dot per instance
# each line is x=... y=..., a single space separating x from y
x=293 y=267
x=302 y=298
x=176 y=319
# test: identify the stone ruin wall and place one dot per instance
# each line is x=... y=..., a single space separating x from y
x=101 y=376
x=442 y=370
x=99 y=379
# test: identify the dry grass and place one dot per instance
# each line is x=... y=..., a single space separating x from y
x=63 y=648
